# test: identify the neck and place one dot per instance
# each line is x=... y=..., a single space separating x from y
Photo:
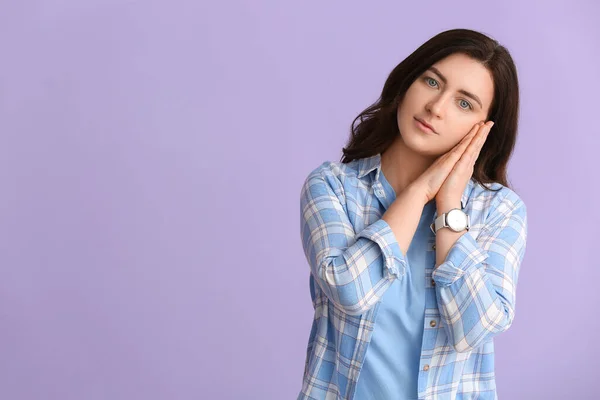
x=402 y=166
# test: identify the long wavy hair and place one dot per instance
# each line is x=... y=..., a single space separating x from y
x=376 y=128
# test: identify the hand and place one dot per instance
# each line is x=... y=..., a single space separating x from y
x=453 y=187
x=434 y=177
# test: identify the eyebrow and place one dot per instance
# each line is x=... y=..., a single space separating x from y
x=443 y=78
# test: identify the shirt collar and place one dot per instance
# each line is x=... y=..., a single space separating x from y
x=368 y=164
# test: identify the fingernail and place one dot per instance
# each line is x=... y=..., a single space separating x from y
x=492 y=124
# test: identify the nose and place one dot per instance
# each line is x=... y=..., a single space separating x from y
x=436 y=106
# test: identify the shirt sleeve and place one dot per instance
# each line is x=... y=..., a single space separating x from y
x=476 y=283
x=353 y=269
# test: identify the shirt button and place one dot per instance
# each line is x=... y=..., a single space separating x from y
x=432 y=323
x=426 y=367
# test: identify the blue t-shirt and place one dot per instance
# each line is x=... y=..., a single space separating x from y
x=391 y=367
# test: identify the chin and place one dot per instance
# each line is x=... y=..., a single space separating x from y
x=416 y=141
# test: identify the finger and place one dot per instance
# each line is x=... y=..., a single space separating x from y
x=467 y=141
x=464 y=143
x=485 y=132
x=464 y=164
x=478 y=144
x=482 y=134
x=453 y=156
x=473 y=132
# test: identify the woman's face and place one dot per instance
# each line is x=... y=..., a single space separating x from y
x=451 y=96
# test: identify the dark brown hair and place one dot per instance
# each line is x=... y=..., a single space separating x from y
x=377 y=125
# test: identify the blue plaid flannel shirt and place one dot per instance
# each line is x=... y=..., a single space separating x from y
x=354 y=257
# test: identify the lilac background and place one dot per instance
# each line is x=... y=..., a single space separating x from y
x=151 y=159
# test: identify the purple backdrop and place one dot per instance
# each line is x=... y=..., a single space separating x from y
x=151 y=160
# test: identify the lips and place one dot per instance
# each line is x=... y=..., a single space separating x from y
x=426 y=124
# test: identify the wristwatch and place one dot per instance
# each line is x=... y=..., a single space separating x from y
x=455 y=219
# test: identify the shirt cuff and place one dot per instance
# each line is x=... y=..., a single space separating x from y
x=465 y=254
x=381 y=233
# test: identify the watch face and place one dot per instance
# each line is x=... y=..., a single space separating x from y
x=457 y=220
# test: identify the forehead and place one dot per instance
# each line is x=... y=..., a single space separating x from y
x=463 y=72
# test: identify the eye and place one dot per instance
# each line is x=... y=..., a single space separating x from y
x=469 y=106
x=428 y=80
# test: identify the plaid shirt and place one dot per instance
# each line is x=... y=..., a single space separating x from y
x=354 y=257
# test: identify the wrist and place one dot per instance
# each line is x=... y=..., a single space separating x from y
x=443 y=206
x=418 y=192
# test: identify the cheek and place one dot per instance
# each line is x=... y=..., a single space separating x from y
x=457 y=133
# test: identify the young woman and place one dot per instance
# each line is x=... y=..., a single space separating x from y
x=415 y=239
